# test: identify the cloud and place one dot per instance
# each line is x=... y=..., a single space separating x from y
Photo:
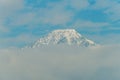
x=103 y=4
x=114 y=12
x=81 y=23
x=22 y=19
x=106 y=39
x=54 y=13
x=3 y=29
x=56 y=63
x=57 y=18
x=78 y=4
x=19 y=41
x=109 y=7
x=7 y=7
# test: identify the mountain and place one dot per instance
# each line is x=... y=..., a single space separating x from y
x=64 y=37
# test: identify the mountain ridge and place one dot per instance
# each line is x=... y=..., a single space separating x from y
x=64 y=36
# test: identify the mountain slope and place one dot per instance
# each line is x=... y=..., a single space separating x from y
x=64 y=36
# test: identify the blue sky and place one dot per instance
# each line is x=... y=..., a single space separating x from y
x=24 y=21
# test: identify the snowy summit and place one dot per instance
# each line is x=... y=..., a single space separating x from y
x=64 y=36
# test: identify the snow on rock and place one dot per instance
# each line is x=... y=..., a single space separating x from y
x=64 y=36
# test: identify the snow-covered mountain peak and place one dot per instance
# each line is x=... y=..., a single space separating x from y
x=65 y=31
x=64 y=36
x=68 y=33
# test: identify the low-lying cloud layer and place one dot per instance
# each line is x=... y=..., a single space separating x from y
x=60 y=63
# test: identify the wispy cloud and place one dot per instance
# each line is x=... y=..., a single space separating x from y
x=103 y=4
x=18 y=41
x=114 y=12
x=78 y=4
x=110 y=8
x=8 y=7
x=3 y=29
x=90 y=24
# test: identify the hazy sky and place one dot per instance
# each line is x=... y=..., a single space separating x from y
x=24 y=21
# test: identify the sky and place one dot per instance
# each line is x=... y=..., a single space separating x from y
x=24 y=21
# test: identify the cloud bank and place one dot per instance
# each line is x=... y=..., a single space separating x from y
x=60 y=63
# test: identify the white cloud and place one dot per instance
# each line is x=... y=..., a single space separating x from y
x=56 y=17
x=3 y=29
x=23 y=19
x=7 y=7
x=57 y=13
x=91 y=24
x=53 y=14
x=114 y=12
x=19 y=41
x=103 y=4
x=110 y=7
x=109 y=38
x=78 y=4
x=60 y=63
